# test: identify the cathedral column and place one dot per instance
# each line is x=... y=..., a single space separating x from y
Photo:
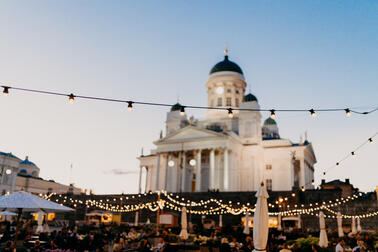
x=147 y=186
x=157 y=172
x=198 y=172
x=183 y=172
x=226 y=171
x=212 y=169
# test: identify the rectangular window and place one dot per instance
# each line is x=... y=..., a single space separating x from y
x=268 y=167
x=237 y=91
x=236 y=102
x=269 y=184
x=228 y=101
x=228 y=90
x=219 y=101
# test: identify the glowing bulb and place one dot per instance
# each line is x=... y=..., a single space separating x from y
x=272 y=114
x=312 y=112
x=6 y=90
x=71 y=98
x=8 y=171
x=230 y=114
x=171 y=163
x=303 y=189
x=130 y=105
x=347 y=112
x=182 y=111
x=370 y=140
x=313 y=182
x=293 y=195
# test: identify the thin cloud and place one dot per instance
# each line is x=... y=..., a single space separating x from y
x=119 y=172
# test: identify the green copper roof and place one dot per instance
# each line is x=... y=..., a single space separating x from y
x=249 y=97
x=270 y=121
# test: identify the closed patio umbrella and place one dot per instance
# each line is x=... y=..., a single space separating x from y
x=40 y=221
x=261 y=220
x=184 y=225
x=246 y=227
x=220 y=220
x=299 y=221
x=323 y=239
x=359 y=229
x=353 y=227
x=340 y=230
x=279 y=227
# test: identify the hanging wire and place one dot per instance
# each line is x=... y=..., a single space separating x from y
x=72 y=96
x=350 y=154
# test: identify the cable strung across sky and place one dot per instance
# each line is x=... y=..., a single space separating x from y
x=229 y=110
x=352 y=153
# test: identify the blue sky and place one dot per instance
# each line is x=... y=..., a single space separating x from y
x=294 y=54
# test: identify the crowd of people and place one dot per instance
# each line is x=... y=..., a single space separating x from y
x=147 y=238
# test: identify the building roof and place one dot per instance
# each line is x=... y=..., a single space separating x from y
x=176 y=107
x=8 y=155
x=270 y=121
x=249 y=98
x=226 y=65
x=27 y=162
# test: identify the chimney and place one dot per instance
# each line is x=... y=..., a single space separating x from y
x=323 y=181
x=347 y=181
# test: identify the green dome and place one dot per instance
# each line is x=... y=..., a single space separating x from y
x=176 y=107
x=270 y=121
x=226 y=65
x=249 y=97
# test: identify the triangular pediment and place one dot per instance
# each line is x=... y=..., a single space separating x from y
x=191 y=133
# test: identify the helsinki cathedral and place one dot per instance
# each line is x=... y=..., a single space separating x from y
x=223 y=152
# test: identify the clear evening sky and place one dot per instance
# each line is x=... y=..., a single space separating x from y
x=294 y=54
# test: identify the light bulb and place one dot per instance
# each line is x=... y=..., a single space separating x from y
x=353 y=153
x=192 y=162
x=312 y=112
x=171 y=163
x=272 y=114
x=130 y=105
x=370 y=140
x=71 y=98
x=313 y=182
x=303 y=189
x=347 y=112
x=230 y=114
x=6 y=90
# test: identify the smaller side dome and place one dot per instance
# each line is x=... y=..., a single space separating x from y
x=176 y=107
x=27 y=162
x=270 y=121
x=249 y=98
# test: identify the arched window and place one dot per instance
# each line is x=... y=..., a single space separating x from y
x=34 y=173
x=23 y=172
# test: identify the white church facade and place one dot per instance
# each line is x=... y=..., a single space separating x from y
x=226 y=152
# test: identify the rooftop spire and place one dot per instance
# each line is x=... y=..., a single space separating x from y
x=226 y=49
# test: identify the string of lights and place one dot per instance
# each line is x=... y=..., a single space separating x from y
x=221 y=208
x=229 y=110
x=351 y=154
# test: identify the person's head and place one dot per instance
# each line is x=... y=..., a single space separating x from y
x=37 y=243
x=224 y=240
x=342 y=242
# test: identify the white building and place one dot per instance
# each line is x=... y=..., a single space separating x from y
x=224 y=152
x=23 y=175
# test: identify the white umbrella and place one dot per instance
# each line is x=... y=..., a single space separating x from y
x=26 y=202
x=261 y=220
x=136 y=220
x=354 y=230
x=359 y=229
x=340 y=225
x=323 y=239
x=184 y=225
x=279 y=227
x=299 y=221
x=220 y=220
x=246 y=227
